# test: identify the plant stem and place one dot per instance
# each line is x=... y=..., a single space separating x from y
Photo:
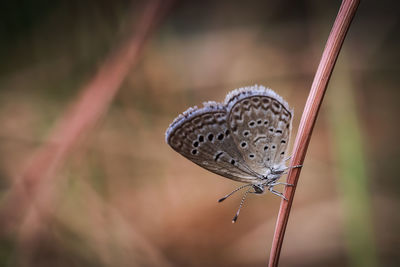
x=335 y=40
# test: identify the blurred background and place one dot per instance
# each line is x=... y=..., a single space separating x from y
x=122 y=197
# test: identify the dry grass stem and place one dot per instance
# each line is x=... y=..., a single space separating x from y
x=318 y=88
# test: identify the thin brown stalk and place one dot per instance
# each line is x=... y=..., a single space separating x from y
x=335 y=40
x=33 y=190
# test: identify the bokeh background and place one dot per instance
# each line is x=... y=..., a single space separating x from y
x=122 y=197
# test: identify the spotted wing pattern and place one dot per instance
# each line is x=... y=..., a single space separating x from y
x=260 y=121
x=202 y=136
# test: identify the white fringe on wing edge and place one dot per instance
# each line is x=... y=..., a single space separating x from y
x=192 y=112
x=240 y=93
x=231 y=98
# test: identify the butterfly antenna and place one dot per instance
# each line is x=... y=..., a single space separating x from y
x=234 y=191
x=240 y=206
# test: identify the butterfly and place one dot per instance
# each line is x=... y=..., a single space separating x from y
x=244 y=139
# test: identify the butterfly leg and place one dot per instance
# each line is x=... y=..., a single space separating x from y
x=281 y=183
x=292 y=167
x=276 y=193
x=296 y=166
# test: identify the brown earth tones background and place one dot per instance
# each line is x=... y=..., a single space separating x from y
x=123 y=197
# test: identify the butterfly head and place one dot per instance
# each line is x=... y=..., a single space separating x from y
x=259 y=188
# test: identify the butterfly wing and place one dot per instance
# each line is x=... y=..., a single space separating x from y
x=202 y=136
x=260 y=121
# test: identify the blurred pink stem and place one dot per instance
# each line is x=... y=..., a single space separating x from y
x=77 y=121
x=340 y=27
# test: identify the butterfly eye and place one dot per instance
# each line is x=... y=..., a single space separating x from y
x=258 y=189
